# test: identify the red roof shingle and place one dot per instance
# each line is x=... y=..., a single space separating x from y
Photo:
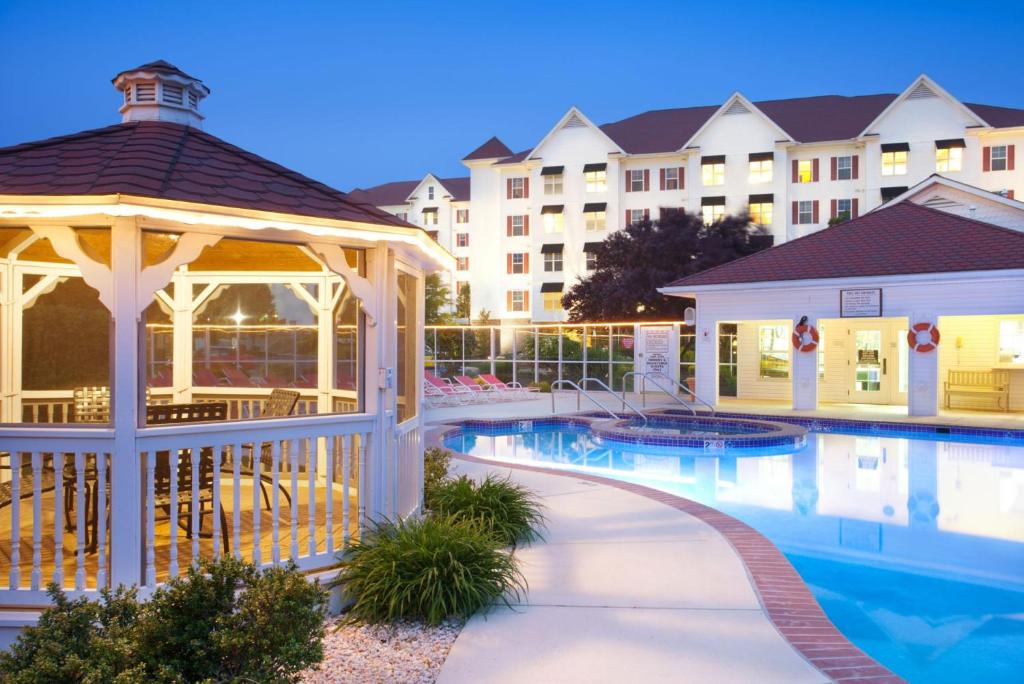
x=492 y=149
x=905 y=238
x=170 y=161
x=397 y=192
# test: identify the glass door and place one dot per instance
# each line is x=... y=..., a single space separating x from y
x=870 y=366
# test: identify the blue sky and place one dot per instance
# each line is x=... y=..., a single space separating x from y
x=355 y=94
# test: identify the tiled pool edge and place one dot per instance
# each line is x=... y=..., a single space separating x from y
x=786 y=600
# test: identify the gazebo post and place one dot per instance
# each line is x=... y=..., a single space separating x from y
x=126 y=547
x=380 y=400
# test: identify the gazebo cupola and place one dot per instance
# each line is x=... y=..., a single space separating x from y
x=160 y=91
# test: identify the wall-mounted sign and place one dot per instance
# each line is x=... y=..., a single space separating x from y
x=862 y=303
x=656 y=342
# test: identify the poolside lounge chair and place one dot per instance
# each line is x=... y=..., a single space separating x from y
x=486 y=391
x=237 y=378
x=455 y=393
x=204 y=377
x=512 y=388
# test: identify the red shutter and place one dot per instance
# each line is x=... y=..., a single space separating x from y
x=814 y=170
x=796 y=170
x=629 y=181
x=834 y=164
x=627 y=218
x=832 y=207
x=682 y=177
x=986 y=158
x=796 y=213
x=1009 y=194
x=508 y=226
x=856 y=166
x=526 y=263
x=526 y=187
x=508 y=300
x=647 y=180
x=526 y=224
x=854 y=212
x=647 y=214
x=508 y=188
x=508 y=262
x=814 y=212
x=1009 y=157
x=526 y=301
x=661 y=178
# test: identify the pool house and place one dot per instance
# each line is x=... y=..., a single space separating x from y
x=201 y=353
x=917 y=306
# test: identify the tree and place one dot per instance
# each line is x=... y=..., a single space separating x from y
x=842 y=217
x=462 y=301
x=436 y=297
x=634 y=262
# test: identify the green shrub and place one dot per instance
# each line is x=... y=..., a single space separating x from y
x=435 y=468
x=196 y=628
x=429 y=569
x=509 y=511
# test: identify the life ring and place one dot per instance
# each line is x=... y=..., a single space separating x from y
x=801 y=333
x=923 y=507
x=923 y=337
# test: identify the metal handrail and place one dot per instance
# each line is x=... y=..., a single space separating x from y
x=609 y=390
x=579 y=390
x=647 y=376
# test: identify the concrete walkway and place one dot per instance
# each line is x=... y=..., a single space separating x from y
x=624 y=589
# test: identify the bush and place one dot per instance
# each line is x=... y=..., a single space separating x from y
x=508 y=511
x=435 y=468
x=428 y=569
x=193 y=629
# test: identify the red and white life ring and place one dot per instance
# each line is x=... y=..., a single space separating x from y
x=923 y=337
x=805 y=338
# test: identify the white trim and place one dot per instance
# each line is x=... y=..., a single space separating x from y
x=573 y=111
x=737 y=97
x=923 y=79
x=938 y=179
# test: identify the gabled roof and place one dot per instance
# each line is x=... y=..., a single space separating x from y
x=517 y=158
x=170 y=161
x=904 y=239
x=1000 y=117
x=492 y=149
x=398 y=192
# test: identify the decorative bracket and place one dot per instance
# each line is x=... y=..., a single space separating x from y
x=153 y=278
x=96 y=275
x=333 y=257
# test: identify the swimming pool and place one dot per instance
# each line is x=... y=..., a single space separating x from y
x=913 y=544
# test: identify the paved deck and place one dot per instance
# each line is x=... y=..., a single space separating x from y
x=625 y=588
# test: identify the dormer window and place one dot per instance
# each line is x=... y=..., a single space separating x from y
x=145 y=92
x=173 y=94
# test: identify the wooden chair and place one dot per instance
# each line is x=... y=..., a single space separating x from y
x=91 y=405
x=280 y=404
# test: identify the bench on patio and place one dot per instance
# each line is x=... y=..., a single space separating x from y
x=983 y=383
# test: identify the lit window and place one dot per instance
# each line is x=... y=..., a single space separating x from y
x=553 y=184
x=844 y=208
x=712 y=173
x=430 y=218
x=671 y=178
x=773 y=342
x=712 y=213
x=518 y=188
x=761 y=213
x=430 y=192
x=949 y=159
x=461 y=263
x=517 y=300
x=999 y=158
x=636 y=215
x=635 y=179
x=462 y=216
x=596 y=181
x=595 y=220
x=462 y=239
x=805 y=212
x=761 y=171
x=844 y=168
x=404 y=215
x=1011 y=341
x=552 y=301
x=518 y=226
x=591 y=261
x=805 y=171
x=518 y=262
x=553 y=223
x=894 y=163
x=552 y=262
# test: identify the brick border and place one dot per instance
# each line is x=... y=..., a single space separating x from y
x=786 y=600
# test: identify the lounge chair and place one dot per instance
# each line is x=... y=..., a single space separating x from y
x=486 y=391
x=237 y=378
x=455 y=393
x=512 y=388
x=204 y=377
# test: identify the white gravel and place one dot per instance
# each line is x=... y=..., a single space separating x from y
x=389 y=654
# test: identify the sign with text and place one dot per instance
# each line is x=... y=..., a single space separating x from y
x=862 y=303
x=657 y=343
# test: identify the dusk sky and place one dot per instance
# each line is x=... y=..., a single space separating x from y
x=355 y=94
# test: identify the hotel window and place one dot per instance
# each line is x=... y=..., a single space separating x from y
x=517 y=188
x=670 y=178
x=1011 y=341
x=761 y=165
x=518 y=300
x=712 y=170
x=518 y=226
x=595 y=176
x=805 y=170
x=773 y=346
x=844 y=168
x=805 y=212
x=638 y=180
x=949 y=155
x=462 y=216
x=552 y=176
x=761 y=209
x=552 y=301
x=844 y=208
x=894 y=159
x=430 y=217
x=404 y=215
x=712 y=209
x=518 y=262
x=553 y=261
x=462 y=239
x=460 y=285
x=594 y=216
x=636 y=215
x=589 y=251
x=461 y=263
x=553 y=219
x=430 y=192
x=1000 y=155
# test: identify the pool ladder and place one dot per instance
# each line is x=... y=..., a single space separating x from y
x=581 y=391
x=650 y=377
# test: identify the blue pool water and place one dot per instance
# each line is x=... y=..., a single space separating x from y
x=913 y=546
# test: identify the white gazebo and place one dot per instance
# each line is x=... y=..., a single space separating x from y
x=201 y=353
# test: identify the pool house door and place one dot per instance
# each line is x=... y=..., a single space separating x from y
x=877 y=362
